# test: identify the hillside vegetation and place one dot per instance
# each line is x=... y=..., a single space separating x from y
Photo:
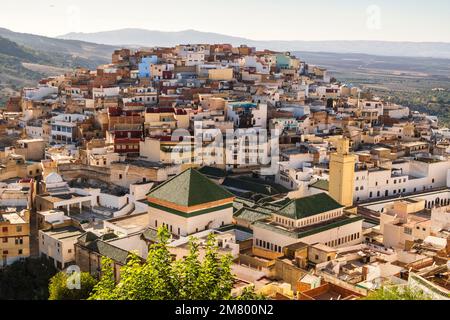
x=32 y=58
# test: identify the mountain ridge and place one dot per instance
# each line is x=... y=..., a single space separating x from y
x=89 y=52
x=150 y=38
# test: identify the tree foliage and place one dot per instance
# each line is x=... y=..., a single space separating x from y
x=397 y=293
x=26 y=280
x=162 y=277
x=249 y=294
x=59 y=289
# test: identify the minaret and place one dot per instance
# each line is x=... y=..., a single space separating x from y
x=342 y=173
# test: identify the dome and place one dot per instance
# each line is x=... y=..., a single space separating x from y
x=53 y=178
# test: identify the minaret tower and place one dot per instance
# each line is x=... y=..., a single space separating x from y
x=342 y=173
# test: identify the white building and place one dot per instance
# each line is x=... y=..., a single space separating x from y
x=404 y=177
x=40 y=92
x=64 y=127
x=102 y=157
x=190 y=203
x=195 y=58
x=58 y=245
x=403 y=221
x=105 y=92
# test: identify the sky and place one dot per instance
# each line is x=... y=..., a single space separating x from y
x=387 y=20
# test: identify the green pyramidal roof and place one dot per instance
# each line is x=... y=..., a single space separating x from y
x=190 y=188
x=309 y=206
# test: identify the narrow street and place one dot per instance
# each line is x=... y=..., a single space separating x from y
x=34 y=244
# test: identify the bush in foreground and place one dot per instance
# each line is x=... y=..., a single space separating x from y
x=60 y=290
x=163 y=278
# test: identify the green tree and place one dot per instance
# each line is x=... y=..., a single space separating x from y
x=162 y=277
x=59 y=290
x=26 y=279
x=250 y=294
x=397 y=293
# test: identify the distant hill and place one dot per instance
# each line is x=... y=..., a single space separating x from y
x=149 y=38
x=77 y=53
x=10 y=48
x=26 y=58
x=12 y=72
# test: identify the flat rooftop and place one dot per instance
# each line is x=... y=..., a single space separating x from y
x=63 y=197
x=12 y=218
x=132 y=222
x=65 y=233
x=144 y=163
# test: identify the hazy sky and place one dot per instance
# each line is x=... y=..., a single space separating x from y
x=396 y=20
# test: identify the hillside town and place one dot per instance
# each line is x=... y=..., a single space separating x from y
x=318 y=190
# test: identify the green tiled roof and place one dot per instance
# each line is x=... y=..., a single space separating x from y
x=240 y=203
x=151 y=235
x=86 y=238
x=235 y=227
x=246 y=202
x=321 y=185
x=281 y=203
x=93 y=243
x=251 y=215
x=190 y=188
x=252 y=185
x=273 y=208
x=213 y=172
x=265 y=209
x=309 y=206
x=107 y=250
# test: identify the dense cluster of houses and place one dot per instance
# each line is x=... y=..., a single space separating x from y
x=318 y=189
